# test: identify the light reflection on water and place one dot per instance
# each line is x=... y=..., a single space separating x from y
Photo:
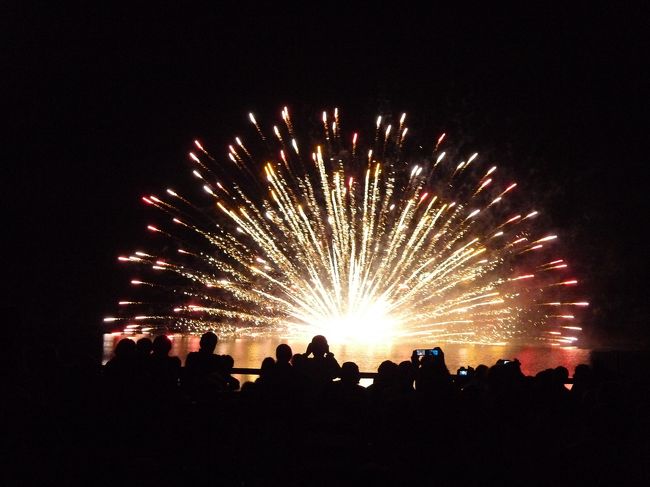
x=249 y=352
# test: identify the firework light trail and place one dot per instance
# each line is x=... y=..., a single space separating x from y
x=356 y=239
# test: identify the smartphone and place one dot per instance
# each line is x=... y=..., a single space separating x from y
x=420 y=352
x=462 y=372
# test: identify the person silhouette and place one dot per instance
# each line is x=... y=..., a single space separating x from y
x=283 y=378
x=321 y=367
x=122 y=373
x=386 y=382
x=346 y=393
x=266 y=373
x=227 y=364
x=204 y=361
x=203 y=369
x=144 y=346
x=432 y=374
x=582 y=382
x=124 y=363
x=283 y=354
x=164 y=370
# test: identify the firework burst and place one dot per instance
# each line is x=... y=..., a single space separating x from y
x=359 y=238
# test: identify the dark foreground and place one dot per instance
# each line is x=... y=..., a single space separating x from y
x=155 y=423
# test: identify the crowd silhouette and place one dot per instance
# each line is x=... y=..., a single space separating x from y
x=144 y=418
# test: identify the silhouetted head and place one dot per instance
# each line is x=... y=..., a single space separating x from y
x=208 y=342
x=318 y=346
x=283 y=353
x=386 y=367
x=228 y=362
x=144 y=346
x=350 y=373
x=125 y=348
x=162 y=345
x=481 y=371
x=298 y=360
x=561 y=374
x=267 y=366
x=386 y=373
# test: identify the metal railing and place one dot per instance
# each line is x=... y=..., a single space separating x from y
x=249 y=371
x=363 y=375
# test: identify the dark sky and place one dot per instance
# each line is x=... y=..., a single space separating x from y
x=104 y=103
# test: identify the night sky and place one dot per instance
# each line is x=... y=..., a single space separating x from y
x=104 y=103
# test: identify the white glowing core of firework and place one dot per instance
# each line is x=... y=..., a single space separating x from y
x=370 y=322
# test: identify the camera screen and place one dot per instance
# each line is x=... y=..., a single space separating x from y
x=426 y=351
x=462 y=372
